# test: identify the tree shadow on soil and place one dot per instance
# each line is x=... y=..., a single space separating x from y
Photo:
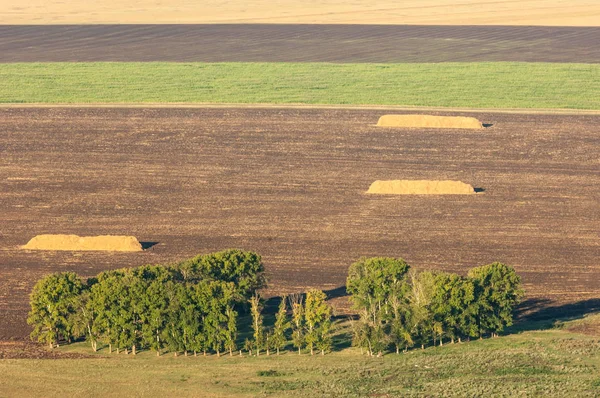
x=539 y=314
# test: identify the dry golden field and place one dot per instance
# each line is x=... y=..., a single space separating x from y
x=421 y=12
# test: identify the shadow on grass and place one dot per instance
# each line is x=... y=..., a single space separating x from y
x=539 y=314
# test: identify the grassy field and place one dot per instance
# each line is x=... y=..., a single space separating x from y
x=552 y=362
x=472 y=85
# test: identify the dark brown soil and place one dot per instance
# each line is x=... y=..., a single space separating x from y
x=290 y=185
x=299 y=43
x=29 y=350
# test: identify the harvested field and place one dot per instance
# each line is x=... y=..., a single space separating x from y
x=289 y=184
x=423 y=187
x=299 y=43
x=30 y=350
x=84 y=243
x=465 y=12
x=429 y=121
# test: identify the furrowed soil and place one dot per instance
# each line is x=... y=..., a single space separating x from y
x=299 y=43
x=290 y=184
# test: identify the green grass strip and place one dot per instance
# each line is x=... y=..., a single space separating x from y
x=473 y=85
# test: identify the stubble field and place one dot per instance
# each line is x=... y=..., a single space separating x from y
x=465 y=12
x=289 y=184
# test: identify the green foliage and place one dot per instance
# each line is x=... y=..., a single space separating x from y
x=297 y=306
x=497 y=292
x=243 y=269
x=258 y=328
x=282 y=324
x=181 y=308
x=448 y=84
x=231 y=332
x=54 y=305
x=317 y=320
x=372 y=280
x=378 y=291
x=428 y=306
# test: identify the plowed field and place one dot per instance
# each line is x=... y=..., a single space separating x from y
x=289 y=184
x=299 y=43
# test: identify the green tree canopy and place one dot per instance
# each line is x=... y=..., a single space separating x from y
x=497 y=293
x=54 y=305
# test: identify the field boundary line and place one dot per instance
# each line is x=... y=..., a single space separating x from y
x=532 y=111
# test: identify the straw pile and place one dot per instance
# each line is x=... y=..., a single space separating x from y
x=420 y=187
x=87 y=243
x=428 y=121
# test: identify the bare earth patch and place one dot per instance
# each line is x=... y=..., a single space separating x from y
x=420 y=187
x=29 y=350
x=429 y=121
x=84 y=243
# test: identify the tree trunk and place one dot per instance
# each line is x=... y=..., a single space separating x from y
x=230 y=351
x=322 y=352
x=133 y=349
x=204 y=352
x=175 y=353
x=157 y=352
x=277 y=350
x=299 y=353
x=195 y=353
x=218 y=353
x=185 y=353
x=110 y=348
x=422 y=346
x=441 y=341
x=459 y=342
x=126 y=351
x=397 y=350
x=312 y=351
x=118 y=350
x=241 y=353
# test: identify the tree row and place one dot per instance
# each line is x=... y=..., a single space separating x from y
x=399 y=308
x=210 y=303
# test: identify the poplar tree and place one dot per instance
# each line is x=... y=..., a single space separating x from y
x=317 y=315
x=297 y=305
x=257 y=323
x=282 y=324
x=231 y=335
